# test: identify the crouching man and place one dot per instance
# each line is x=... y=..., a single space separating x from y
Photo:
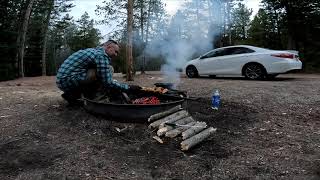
x=87 y=70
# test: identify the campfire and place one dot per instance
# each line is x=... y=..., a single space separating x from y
x=160 y=93
x=138 y=105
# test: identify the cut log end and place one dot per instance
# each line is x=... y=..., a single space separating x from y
x=162 y=131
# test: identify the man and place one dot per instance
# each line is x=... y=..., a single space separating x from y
x=86 y=70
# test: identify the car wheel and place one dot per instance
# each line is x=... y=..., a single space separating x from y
x=192 y=72
x=254 y=71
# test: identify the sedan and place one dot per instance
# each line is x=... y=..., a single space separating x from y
x=249 y=61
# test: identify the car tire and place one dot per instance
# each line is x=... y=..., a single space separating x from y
x=254 y=71
x=192 y=72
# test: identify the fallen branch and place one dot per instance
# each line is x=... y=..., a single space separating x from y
x=164 y=113
x=194 y=140
x=199 y=126
x=184 y=121
x=175 y=132
x=173 y=117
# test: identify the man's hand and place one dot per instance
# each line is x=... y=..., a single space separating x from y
x=134 y=88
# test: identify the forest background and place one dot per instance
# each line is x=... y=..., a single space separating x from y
x=36 y=36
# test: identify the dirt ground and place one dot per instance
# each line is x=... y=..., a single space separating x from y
x=265 y=130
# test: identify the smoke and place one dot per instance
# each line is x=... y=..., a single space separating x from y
x=191 y=32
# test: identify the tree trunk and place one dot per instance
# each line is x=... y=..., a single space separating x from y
x=197 y=14
x=291 y=42
x=148 y=21
x=244 y=32
x=129 y=41
x=45 y=39
x=146 y=38
x=291 y=17
x=142 y=34
x=229 y=23
x=17 y=58
x=23 y=37
x=141 y=20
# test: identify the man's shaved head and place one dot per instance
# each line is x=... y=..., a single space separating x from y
x=111 y=47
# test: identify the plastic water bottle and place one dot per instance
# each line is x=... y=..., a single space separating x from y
x=215 y=100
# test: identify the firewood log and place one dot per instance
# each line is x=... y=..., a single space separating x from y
x=164 y=113
x=175 y=120
x=194 y=140
x=199 y=126
x=173 y=117
x=165 y=128
x=175 y=132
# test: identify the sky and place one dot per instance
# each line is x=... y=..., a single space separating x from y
x=172 y=6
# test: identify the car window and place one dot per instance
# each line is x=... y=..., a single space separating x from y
x=239 y=50
x=216 y=53
x=210 y=54
x=228 y=51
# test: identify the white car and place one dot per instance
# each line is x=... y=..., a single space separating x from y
x=249 y=61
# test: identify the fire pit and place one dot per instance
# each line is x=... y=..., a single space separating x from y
x=165 y=85
x=132 y=112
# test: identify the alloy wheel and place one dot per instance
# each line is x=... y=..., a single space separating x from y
x=191 y=72
x=254 y=71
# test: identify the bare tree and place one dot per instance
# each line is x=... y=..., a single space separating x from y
x=129 y=41
x=45 y=30
x=142 y=33
x=23 y=36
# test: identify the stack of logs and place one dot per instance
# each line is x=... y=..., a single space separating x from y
x=177 y=121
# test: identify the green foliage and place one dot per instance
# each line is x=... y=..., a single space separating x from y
x=241 y=20
x=283 y=24
x=279 y=24
x=265 y=31
x=10 y=13
x=67 y=36
x=84 y=35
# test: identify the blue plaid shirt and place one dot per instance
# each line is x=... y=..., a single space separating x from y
x=75 y=67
